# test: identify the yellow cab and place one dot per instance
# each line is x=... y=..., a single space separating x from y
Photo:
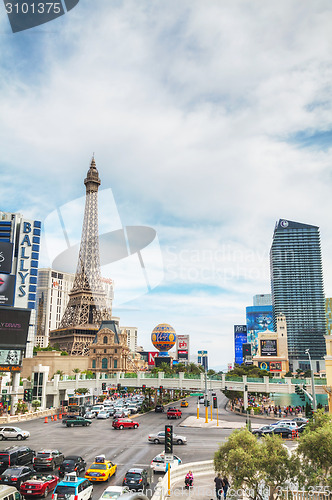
x=101 y=469
x=184 y=403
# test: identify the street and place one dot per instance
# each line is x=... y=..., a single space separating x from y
x=130 y=447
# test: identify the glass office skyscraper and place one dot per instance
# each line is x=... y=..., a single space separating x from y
x=297 y=290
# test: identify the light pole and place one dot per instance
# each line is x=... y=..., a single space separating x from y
x=312 y=382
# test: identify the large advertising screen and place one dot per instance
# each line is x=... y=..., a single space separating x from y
x=14 y=325
x=269 y=347
x=270 y=366
x=240 y=338
x=7 y=289
x=259 y=319
x=10 y=357
x=6 y=253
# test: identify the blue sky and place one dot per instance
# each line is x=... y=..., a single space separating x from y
x=209 y=121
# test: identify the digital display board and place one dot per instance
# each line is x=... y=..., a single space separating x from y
x=7 y=289
x=183 y=355
x=269 y=347
x=6 y=254
x=270 y=366
x=10 y=357
x=240 y=338
x=259 y=319
x=14 y=326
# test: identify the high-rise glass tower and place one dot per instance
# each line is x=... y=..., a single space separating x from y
x=297 y=290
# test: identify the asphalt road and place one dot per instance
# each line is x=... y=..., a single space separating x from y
x=129 y=447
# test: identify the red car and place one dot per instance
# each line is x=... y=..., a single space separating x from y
x=174 y=413
x=39 y=485
x=124 y=423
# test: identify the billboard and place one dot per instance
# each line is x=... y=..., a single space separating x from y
x=259 y=319
x=203 y=359
x=6 y=254
x=240 y=338
x=270 y=366
x=269 y=347
x=10 y=357
x=14 y=325
x=7 y=289
x=151 y=356
x=183 y=355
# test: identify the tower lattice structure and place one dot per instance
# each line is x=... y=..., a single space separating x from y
x=86 y=308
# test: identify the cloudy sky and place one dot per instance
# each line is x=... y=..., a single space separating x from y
x=209 y=121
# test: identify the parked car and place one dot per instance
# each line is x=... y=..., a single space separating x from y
x=48 y=459
x=124 y=423
x=16 y=475
x=158 y=463
x=72 y=463
x=136 y=479
x=101 y=469
x=72 y=486
x=13 y=433
x=74 y=422
x=133 y=409
x=15 y=455
x=159 y=409
x=160 y=438
x=114 y=492
x=39 y=485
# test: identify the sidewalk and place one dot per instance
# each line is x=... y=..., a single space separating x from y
x=203 y=489
x=193 y=421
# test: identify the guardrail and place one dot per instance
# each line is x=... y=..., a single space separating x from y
x=197 y=468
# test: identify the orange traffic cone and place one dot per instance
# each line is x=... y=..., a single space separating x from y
x=46 y=420
x=55 y=417
x=60 y=416
x=52 y=418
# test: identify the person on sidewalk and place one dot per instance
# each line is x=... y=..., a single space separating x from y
x=219 y=488
x=225 y=486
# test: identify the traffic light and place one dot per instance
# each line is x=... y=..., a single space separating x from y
x=119 y=387
x=161 y=388
x=207 y=402
x=215 y=402
x=27 y=395
x=168 y=439
x=103 y=386
x=143 y=388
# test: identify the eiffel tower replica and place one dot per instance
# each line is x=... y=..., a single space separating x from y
x=86 y=308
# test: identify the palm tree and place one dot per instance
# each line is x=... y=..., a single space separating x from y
x=76 y=370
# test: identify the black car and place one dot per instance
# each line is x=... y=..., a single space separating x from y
x=136 y=479
x=48 y=459
x=159 y=409
x=72 y=463
x=15 y=455
x=262 y=430
x=16 y=475
x=285 y=432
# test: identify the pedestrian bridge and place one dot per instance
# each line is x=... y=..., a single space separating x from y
x=62 y=387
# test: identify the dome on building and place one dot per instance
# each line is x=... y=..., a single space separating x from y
x=163 y=338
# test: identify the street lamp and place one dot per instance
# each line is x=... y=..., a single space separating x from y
x=312 y=382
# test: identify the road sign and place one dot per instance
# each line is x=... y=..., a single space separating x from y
x=169 y=457
x=197 y=394
x=4 y=391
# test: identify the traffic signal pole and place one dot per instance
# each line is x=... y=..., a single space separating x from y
x=206 y=399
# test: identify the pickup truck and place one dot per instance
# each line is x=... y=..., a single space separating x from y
x=174 y=413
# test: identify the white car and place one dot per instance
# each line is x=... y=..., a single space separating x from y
x=158 y=463
x=103 y=414
x=113 y=492
x=286 y=423
x=13 y=433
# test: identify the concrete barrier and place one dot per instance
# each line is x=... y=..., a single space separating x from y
x=22 y=417
x=197 y=468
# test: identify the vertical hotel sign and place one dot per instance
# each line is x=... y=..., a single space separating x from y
x=27 y=264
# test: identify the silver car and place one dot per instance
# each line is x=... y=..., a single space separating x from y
x=13 y=433
x=160 y=438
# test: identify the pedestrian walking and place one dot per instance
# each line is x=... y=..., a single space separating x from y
x=219 y=488
x=225 y=486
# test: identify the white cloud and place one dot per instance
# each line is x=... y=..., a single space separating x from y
x=189 y=107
